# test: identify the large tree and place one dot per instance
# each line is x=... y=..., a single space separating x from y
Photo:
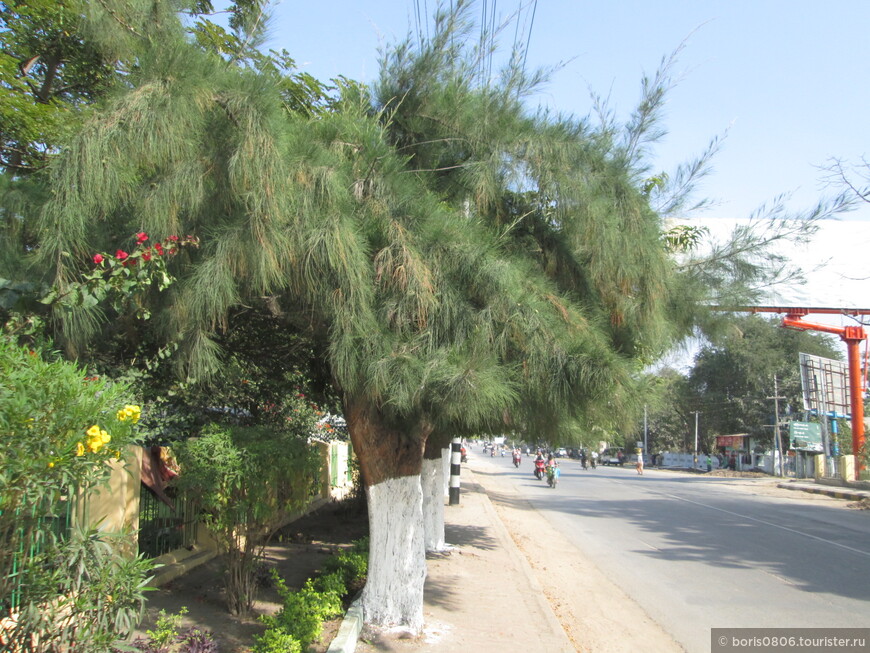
x=456 y=260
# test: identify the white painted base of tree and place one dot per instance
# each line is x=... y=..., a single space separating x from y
x=393 y=594
x=433 y=483
x=446 y=460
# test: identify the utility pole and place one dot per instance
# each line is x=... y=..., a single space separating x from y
x=777 y=440
x=645 y=432
x=695 y=459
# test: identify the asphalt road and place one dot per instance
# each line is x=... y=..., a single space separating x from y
x=700 y=552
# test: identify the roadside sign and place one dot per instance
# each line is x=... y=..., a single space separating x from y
x=805 y=436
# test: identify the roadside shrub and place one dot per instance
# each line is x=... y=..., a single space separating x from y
x=74 y=589
x=301 y=617
x=166 y=637
x=246 y=479
x=352 y=565
x=276 y=640
x=303 y=612
x=331 y=582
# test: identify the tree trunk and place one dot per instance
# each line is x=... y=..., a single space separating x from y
x=390 y=462
x=433 y=503
x=434 y=483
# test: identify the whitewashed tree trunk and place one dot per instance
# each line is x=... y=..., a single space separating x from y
x=393 y=594
x=445 y=461
x=433 y=483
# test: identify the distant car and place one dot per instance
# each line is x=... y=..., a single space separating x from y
x=562 y=453
x=612 y=457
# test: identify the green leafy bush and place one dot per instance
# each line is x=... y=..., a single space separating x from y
x=246 y=479
x=352 y=565
x=303 y=612
x=71 y=584
x=301 y=618
x=276 y=640
x=331 y=582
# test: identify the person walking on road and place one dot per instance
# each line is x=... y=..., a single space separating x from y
x=639 y=464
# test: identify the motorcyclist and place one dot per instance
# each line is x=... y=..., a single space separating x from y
x=539 y=465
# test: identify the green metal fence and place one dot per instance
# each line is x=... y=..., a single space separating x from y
x=163 y=529
x=32 y=533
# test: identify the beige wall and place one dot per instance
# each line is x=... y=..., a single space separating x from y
x=115 y=508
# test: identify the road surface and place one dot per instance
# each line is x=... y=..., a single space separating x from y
x=698 y=552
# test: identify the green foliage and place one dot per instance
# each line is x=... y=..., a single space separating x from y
x=246 y=480
x=48 y=74
x=303 y=611
x=275 y=640
x=166 y=628
x=351 y=565
x=301 y=617
x=77 y=587
x=82 y=592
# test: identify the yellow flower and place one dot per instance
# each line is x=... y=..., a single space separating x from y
x=80 y=449
x=129 y=412
x=105 y=438
x=94 y=431
x=50 y=465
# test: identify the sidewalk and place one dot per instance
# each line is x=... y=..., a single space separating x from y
x=836 y=491
x=481 y=597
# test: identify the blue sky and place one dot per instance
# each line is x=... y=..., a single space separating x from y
x=786 y=78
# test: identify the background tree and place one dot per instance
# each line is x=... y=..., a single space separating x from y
x=730 y=381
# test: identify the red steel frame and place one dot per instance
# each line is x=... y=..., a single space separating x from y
x=852 y=336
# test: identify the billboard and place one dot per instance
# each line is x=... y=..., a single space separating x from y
x=825 y=385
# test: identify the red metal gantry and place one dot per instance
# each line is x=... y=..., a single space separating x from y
x=852 y=336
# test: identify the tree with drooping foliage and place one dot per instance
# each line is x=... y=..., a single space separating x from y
x=457 y=260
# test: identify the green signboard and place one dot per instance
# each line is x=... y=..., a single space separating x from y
x=805 y=436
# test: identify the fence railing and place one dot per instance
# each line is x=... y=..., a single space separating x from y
x=31 y=534
x=163 y=529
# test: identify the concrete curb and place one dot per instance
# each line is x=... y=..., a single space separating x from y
x=827 y=490
x=348 y=633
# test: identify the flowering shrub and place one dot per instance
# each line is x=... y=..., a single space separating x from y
x=61 y=429
x=123 y=277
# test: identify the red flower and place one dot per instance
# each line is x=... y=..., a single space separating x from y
x=121 y=255
x=174 y=239
x=141 y=237
x=146 y=255
x=159 y=248
x=98 y=258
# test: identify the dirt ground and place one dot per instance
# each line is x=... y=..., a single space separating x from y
x=298 y=553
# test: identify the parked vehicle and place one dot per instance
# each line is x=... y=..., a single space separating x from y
x=613 y=456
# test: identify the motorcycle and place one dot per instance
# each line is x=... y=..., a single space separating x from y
x=552 y=475
x=593 y=463
x=463 y=457
x=539 y=469
x=516 y=460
